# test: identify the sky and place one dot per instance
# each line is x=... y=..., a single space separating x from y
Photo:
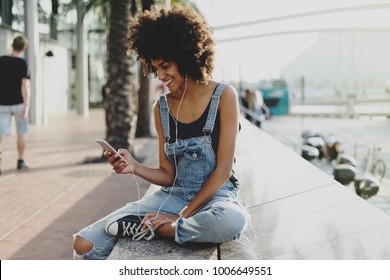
x=264 y=57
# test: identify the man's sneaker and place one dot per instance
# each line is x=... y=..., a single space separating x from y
x=129 y=226
x=21 y=165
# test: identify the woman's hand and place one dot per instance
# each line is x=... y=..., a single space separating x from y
x=158 y=220
x=124 y=165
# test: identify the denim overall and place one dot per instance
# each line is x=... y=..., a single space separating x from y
x=222 y=219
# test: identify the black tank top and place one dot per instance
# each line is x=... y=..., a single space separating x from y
x=194 y=129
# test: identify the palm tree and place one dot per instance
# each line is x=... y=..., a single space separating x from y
x=6 y=11
x=53 y=19
x=120 y=103
x=143 y=123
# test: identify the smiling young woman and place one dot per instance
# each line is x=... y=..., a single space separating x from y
x=197 y=123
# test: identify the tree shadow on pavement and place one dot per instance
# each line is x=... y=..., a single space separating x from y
x=55 y=242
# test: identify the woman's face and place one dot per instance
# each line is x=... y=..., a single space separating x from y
x=168 y=72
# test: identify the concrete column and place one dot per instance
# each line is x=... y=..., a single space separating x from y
x=82 y=62
x=32 y=34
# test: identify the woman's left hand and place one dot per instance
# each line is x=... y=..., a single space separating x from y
x=159 y=219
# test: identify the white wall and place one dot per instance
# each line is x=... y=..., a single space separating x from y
x=56 y=82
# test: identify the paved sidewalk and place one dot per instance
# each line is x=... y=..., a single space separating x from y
x=42 y=207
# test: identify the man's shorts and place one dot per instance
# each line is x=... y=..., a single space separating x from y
x=6 y=113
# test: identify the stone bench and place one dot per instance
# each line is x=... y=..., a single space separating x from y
x=297 y=212
x=164 y=249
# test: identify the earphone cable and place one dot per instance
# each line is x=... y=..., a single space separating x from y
x=174 y=155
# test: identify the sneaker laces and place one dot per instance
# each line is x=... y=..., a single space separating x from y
x=143 y=234
x=133 y=229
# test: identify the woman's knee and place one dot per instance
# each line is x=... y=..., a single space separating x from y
x=81 y=245
x=233 y=218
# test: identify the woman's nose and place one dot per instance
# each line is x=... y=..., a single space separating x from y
x=161 y=75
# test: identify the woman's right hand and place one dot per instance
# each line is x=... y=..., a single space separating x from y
x=119 y=165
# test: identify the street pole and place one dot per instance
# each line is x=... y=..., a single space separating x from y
x=32 y=35
x=82 y=62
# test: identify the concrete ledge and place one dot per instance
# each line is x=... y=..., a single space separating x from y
x=243 y=248
x=162 y=249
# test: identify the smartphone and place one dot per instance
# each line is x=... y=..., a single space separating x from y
x=108 y=147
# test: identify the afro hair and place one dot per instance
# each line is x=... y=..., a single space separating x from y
x=179 y=34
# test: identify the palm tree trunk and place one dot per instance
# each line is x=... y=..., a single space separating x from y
x=6 y=12
x=54 y=19
x=121 y=102
x=143 y=123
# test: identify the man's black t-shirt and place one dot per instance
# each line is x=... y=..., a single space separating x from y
x=12 y=71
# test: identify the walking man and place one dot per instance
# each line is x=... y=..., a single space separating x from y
x=14 y=96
